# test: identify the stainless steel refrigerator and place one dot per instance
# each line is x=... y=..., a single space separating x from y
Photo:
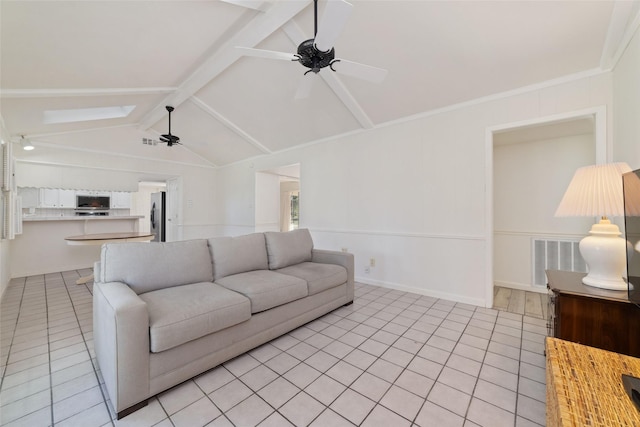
x=157 y=217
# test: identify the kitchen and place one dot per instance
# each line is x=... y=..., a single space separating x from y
x=49 y=215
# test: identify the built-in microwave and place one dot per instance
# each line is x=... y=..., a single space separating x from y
x=88 y=202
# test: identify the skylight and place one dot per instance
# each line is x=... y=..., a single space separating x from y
x=86 y=114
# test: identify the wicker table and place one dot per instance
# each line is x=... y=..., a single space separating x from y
x=584 y=386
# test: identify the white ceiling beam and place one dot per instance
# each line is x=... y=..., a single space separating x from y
x=51 y=93
x=229 y=124
x=106 y=153
x=257 y=30
x=295 y=33
x=184 y=147
x=250 y=4
x=621 y=26
x=71 y=132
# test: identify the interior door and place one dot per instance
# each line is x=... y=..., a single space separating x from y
x=172 y=212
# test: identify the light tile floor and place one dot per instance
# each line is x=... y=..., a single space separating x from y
x=390 y=359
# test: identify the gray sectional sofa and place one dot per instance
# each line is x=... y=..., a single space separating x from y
x=165 y=312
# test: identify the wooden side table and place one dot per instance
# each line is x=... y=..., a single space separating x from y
x=592 y=316
x=584 y=386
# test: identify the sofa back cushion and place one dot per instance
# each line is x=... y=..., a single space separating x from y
x=288 y=248
x=233 y=255
x=148 y=267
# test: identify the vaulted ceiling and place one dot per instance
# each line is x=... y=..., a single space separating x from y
x=58 y=55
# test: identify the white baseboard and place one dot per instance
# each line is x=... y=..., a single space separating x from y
x=522 y=287
x=426 y=292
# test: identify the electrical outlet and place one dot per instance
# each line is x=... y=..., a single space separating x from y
x=367 y=269
x=345 y=250
x=372 y=262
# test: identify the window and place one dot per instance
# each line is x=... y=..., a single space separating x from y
x=294 y=219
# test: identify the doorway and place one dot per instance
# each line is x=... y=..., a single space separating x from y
x=141 y=205
x=277 y=206
x=529 y=165
x=173 y=230
x=142 y=202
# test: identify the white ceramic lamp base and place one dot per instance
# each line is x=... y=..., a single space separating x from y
x=604 y=251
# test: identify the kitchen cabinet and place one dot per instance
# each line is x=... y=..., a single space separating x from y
x=95 y=193
x=67 y=198
x=120 y=200
x=56 y=198
x=29 y=196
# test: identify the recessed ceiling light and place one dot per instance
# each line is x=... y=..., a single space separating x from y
x=86 y=114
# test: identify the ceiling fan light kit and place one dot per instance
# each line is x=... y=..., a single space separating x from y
x=314 y=59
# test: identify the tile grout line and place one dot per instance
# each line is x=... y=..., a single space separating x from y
x=95 y=372
x=13 y=334
x=484 y=357
x=519 y=368
x=46 y=307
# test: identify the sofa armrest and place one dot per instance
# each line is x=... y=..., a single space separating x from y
x=121 y=340
x=344 y=259
x=96 y=272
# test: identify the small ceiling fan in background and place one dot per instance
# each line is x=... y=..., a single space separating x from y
x=167 y=137
x=318 y=53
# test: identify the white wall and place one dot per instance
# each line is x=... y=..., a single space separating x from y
x=5 y=273
x=530 y=179
x=626 y=92
x=267 y=202
x=410 y=194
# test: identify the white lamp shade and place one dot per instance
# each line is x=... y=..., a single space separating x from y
x=595 y=191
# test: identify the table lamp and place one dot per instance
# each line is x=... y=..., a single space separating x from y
x=597 y=191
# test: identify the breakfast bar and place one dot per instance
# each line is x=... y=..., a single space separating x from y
x=102 y=238
x=42 y=248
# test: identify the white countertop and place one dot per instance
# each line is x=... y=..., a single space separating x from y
x=80 y=218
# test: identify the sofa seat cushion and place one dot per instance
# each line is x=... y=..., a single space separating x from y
x=319 y=277
x=266 y=289
x=183 y=313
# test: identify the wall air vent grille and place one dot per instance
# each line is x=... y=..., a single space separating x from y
x=149 y=141
x=550 y=254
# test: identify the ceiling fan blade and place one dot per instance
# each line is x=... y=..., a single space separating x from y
x=249 y=4
x=306 y=84
x=270 y=54
x=361 y=71
x=334 y=18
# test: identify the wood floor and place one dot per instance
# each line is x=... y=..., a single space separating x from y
x=532 y=304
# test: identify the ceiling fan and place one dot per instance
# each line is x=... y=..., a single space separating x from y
x=167 y=137
x=318 y=53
